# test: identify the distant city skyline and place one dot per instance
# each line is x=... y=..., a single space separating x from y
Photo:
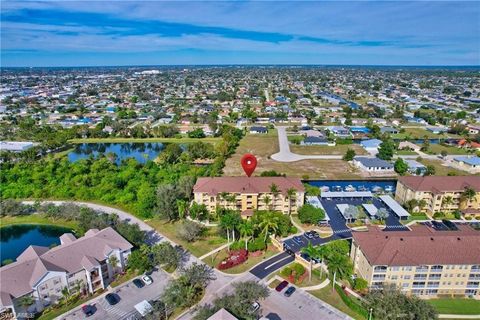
x=401 y=33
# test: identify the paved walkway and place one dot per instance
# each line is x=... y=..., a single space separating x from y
x=318 y=286
x=459 y=316
x=215 y=251
x=285 y=155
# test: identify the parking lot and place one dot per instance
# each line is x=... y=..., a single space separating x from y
x=129 y=295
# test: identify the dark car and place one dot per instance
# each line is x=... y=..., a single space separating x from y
x=112 y=299
x=305 y=256
x=290 y=252
x=315 y=234
x=281 y=286
x=88 y=310
x=289 y=292
x=138 y=283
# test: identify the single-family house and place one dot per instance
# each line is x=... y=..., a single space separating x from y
x=371 y=145
x=471 y=163
x=258 y=129
x=373 y=164
x=415 y=167
x=389 y=130
x=318 y=141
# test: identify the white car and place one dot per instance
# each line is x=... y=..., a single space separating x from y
x=148 y=281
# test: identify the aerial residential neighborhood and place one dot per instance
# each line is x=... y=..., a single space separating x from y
x=239 y=160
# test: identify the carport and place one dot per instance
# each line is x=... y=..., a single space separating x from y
x=344 y=194
x=395 y=207
x=370 y=208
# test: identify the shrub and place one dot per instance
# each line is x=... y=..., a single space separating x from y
x=310 y=214
x=299 y=269
x=237 y=245
x=256 y=244
x=350 y=303
x=457 y=214
x=468 y=218
x=235 y=257
x=286 y=272
x=360 y=284
x=190 y=231
x=438 y=215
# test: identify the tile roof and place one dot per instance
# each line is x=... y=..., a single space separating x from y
x=436 y=184
x=420 y=246
x=216 y=185
x=19 y=277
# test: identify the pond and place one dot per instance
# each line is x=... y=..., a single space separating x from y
x=142 y=152
x=359 y=185
x=16 y=238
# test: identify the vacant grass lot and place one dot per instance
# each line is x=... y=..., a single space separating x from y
x=441 y=170
x=456 y=306
x=332 y=298
x=216 y=258
x=340 y=149
x=210 y=241
x=420 y=133
x=438 y=148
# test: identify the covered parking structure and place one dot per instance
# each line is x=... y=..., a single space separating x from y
x=344 y=194
x=370 y=208
x=394 y=207
x=314 y=201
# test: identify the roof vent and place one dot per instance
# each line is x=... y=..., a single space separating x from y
x=386 y=237
x=459 y=239
x=401 y=239
x=431 y=239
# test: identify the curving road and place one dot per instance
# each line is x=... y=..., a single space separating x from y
x=285 y=155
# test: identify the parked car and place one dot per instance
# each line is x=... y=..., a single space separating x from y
x=255 y=306
x=305 y=256
x=308 y=235
x=289 y=292
x=88 y=310
x=112 y=298
x=298 y=239
x=315 y=234
x=281 y=285
x=138 y=283
x=148 y=281
x=290 y=252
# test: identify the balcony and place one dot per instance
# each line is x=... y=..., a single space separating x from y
x=421 y=269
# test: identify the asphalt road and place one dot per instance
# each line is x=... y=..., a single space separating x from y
x=271 y=265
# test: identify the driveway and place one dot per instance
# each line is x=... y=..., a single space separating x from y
x=129 y=295
x=285 y=155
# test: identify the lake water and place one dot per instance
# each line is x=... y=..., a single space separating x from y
x=370 y=185
x=16 y=238
x=142 y=152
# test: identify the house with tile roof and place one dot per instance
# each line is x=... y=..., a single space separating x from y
x=76 y=264
x=423 y=261
x=441 y=193
x=247 y=194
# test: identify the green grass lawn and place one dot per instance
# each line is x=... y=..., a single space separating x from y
x=406 y=153
x=333 y=298
x=441 y=170
x=438 y=148
x=339 y=149
x=123 y=140
x=456 y=306
x=420 y=133
x=216 y=258
x=414 y=218
x=38 y=219
x=210 y=241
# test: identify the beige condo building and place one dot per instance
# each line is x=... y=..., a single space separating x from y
x=424 y=262
x=441 y=193
x=247 y=194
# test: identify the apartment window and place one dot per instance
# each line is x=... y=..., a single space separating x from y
x=420 y=277
x=436 y=268
x=418 y=284
x=417 y=292
x=395 y=268
x=407 y=277
x=405 y=285
x=422 y=269
x=431 y=292
x=475 y=267
x=407 y=268
x=435 y=276
x=378 y=276
x=394 y=277
x=380 y=269
x=433 y=284
x=473 y=284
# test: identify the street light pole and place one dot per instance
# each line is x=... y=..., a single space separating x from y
x=370 y=314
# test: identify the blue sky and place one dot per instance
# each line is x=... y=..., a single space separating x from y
x=71 y=33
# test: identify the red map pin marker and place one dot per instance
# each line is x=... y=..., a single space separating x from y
x=249 y=163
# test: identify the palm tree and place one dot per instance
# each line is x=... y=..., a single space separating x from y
x=246 y=231
x=267 y=201
x=312 y=252
x=268 y=225
x=223 y=196
x=468 y=195
x=446 y=201
x=422 y=204
x=338 y=264
x=291 y=193
x=113 y=262
x=26 y=301
x=275 y=191
x=351 y=212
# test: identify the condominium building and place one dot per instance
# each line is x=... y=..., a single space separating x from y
x=250 y=193
x=84 y=264
x=440 y=193
x=423 y=262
